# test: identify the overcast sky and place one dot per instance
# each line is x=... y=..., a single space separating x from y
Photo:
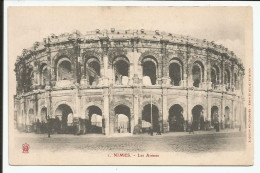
x=224 y=25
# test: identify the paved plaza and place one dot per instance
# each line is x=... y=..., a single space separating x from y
x=201 y=141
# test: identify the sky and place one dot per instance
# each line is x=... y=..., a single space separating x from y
x=224 y=25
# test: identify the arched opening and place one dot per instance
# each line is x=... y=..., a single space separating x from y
x=31 y=116
x=236 y=82
x=150 y=112
x=197 y=73
x=93 y=71
x=214 y=115
x=43 y=75
x=94 y=120
x=176 y=119
x=175 y=73
x=63 y=122
x=44 y=115
x=198 y=117
x=43 y=125
x=149 y=71
x=227 y=79
x=214 y=76
x=64 y=71
x=30 y=78
x=121 y=71
x=227 y=117
x=123 y=119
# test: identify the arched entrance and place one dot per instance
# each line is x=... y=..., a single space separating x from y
x=94 y=120
x=148 y=112
x=64 y=69
x=227 y=79
x=176 y=119
x=122 y=119
x=63 y=122
x=92 y=71
x=214 y=75
x=44 y=75
x=227 y=117
x=214 y=115
x=198 y=117
x=43 y=127
x=121 y=71
x=44 y=115
x=149 y=70
x=197 y=73
x=175 y=73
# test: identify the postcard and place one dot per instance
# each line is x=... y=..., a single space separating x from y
x=130 y=85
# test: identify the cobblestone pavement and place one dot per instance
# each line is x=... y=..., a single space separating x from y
x=201 y=141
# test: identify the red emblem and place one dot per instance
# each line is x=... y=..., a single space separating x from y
x=26 y=148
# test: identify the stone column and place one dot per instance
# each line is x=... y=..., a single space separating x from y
x=106 y=110
x=222 y=73
x=222 y=120
x=131 y=74
x=232 y=77
x=209 y=109
x=50 y=74
x=165 y=65
x=35 y=106
x=233 y=114
x=136 y=56
x=136 y=108
x=165 y=123
x=35 y=76
x=77 y=102
x=159 y=73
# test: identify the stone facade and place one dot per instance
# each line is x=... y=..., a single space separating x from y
x=74 y=76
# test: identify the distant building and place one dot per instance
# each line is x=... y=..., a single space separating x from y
x=116 y=75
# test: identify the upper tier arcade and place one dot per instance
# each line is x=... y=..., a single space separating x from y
x=128 y=57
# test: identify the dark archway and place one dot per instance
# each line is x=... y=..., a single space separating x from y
x=149 y=69
x=148 y=112
x=227 y=79
x=198 y=117
x=214 y=114
x=175 y=73
x=63 y=122
x=44 y=118
x=93 y=71
x=227 y=117
x=122 y=119
x=64 y=69
x=94 y=120
x=214 y=76
x=176 y=119
x=44 y=115
x=31 y=116
x=44 y=75
x=121 y=70
x=197 y=73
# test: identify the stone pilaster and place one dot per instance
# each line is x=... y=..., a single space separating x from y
x=165 y=113
x=106 y=111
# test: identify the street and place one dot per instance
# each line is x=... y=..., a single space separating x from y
x=201 y=141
